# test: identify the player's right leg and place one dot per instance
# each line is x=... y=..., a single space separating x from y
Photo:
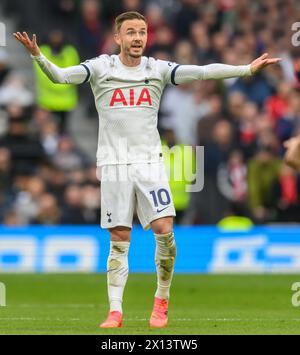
x=117 y=274
x=117 y=206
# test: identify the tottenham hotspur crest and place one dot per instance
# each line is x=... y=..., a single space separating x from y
x=108 y=215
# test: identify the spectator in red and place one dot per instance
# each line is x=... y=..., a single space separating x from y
x=286 y=192
x=277 y=105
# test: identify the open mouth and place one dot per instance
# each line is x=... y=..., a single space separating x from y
x=136 y=46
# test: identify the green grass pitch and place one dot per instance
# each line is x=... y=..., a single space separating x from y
x=200 y=304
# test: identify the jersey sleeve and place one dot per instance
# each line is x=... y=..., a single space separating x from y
x=173 y=73
x=167 y=71
x=96 y=67
x=89 y=68
x=77 y=74
x=182 y=74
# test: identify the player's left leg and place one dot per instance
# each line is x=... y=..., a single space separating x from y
x=155 y=209
x=165 y=255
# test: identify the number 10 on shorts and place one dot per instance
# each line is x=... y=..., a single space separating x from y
x=160 y=197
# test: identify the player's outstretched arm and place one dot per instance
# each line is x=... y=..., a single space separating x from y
x=187 y=73
x=76 y=74
x=292 y=154
x=29 y=44
x=261 y=62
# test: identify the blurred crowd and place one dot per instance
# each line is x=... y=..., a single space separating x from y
x=242 y=123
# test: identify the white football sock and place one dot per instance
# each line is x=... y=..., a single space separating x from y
x=117 y=273
x=165 y=255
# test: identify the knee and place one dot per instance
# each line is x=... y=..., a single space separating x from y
x=163 y=225
x=120 y=234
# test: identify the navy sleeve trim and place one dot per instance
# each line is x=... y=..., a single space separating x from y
x=173 y=74
x=88 y=73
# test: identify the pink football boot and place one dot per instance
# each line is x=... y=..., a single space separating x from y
x=114 y=320
x=159 y=316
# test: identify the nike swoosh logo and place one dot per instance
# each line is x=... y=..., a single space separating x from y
x=158 y=211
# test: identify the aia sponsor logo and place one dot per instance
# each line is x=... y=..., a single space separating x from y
x=130 y=97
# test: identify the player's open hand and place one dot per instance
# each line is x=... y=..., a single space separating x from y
x=262 y=62
x=29 y=44
x=292 y=155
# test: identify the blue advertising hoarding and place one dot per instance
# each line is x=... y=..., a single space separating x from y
x=199 y=250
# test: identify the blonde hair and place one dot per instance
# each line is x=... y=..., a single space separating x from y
x=130 y=15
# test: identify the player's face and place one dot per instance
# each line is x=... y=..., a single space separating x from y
x=132 y=38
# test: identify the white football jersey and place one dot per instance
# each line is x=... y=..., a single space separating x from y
x=127 y=100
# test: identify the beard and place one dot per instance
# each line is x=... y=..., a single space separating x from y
x=132 y=54
x=135 y=55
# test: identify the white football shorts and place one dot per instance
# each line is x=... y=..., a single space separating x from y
x=143 y=187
